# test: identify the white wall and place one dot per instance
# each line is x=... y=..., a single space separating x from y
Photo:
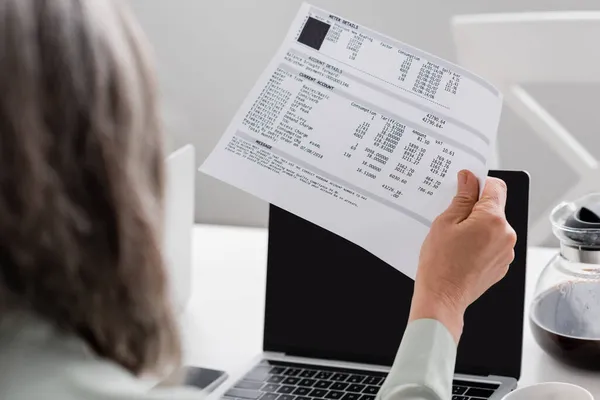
x=211 y=52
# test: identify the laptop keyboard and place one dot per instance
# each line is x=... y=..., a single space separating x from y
x=275 y=380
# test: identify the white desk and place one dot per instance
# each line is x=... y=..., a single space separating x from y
x=224 y=320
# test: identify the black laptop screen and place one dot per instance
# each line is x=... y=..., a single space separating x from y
x=328 y=298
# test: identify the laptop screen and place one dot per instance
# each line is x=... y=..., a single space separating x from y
x=328 y=298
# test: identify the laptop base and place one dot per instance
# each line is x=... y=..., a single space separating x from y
x=280 y=377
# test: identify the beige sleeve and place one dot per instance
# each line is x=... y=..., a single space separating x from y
x=424 y=365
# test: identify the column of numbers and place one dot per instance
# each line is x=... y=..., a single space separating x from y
x=413 y=153
x=390 y=136
x=428 y=81
x=368 y=166
x=440 y=166
x=359 y=133
x=362 y=129
x=350 y=152
x=404 y=68
x=429 y=185
x=453 y=83
x=354 y=45
x=401 y=173
x=438 y=169
x=400 y=176
x=334 y=34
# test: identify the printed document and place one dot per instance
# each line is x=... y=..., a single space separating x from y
x=360 y=134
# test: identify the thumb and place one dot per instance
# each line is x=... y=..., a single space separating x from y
x=466 y=197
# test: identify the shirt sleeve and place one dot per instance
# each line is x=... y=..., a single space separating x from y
x=424 y=365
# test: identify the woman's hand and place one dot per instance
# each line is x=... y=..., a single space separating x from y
x=467 y=251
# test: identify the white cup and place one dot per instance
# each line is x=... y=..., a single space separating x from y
x=550 y=391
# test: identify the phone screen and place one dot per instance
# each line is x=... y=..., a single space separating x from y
x=204 y=378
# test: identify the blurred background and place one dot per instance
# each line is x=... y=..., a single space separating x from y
x=210 y=53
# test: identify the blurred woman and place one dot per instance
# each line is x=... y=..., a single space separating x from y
x=84 y=311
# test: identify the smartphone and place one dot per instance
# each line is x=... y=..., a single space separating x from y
x=204 y=378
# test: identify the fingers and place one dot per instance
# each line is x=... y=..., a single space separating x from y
x=466 y=197
x=493 y=198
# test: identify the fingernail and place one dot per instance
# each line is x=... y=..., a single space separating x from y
x=463 y=177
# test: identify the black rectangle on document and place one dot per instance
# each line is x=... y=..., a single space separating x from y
x=314 y=33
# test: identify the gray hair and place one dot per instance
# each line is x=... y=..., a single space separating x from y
x=81 y=179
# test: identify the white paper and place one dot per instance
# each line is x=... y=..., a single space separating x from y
x=360 y=134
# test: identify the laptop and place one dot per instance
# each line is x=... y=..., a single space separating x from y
x=180 y=175
x=328 y=332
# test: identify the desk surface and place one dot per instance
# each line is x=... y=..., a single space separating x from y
x=223 y=323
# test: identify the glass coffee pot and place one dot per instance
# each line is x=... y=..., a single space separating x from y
x=565 y=313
